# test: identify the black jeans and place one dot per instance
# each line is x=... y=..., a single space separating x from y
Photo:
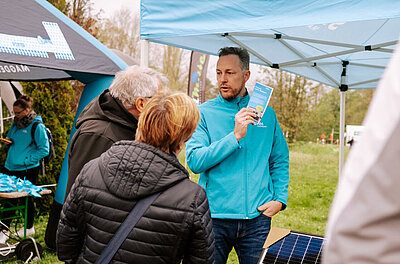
x=32 y=176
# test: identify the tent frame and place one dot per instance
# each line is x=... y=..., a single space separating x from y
x=311 y=60
x=343 y=86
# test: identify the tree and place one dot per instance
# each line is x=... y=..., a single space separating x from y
x=80 y=11
x=121 y=32
x=290 y=99
x=322 y=116
x=357 y=102
x=52 y=102
x=306 y=109
x=172 y=68
x=325 y=114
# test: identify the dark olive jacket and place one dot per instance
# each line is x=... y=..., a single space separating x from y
x=176 y=226
x=103 y=122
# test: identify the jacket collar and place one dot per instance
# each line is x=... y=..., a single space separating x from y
x=236 y=102
x=105 y=107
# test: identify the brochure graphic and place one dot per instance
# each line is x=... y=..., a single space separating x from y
x=259 y=100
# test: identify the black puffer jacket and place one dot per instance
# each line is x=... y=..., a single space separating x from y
x=176 y=226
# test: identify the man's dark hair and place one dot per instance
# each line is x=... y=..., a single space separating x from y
x=243 y=55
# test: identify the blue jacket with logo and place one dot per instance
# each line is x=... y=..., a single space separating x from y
x=238 y=176
x=23 y=154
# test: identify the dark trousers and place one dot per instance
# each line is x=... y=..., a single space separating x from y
x=32 y=176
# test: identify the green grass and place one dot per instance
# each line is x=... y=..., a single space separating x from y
x=314 y=175
x=313 y=180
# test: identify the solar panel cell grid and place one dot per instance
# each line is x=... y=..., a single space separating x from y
x=295 y=248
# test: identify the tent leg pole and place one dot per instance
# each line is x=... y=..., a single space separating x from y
x=341 y=131
x=144 y=53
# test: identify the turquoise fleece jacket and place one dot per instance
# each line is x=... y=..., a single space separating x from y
x=238 y=176
x=23 y=154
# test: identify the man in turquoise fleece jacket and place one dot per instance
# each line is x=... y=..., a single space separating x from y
x=243 y=166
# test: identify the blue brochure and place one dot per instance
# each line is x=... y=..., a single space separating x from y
x=259 y=100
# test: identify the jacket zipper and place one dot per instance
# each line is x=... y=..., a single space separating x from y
x=244 y=142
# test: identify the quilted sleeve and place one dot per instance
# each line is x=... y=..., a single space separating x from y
x=201 y=248
x=70 y=234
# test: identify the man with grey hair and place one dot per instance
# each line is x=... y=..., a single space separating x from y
x=110 y=117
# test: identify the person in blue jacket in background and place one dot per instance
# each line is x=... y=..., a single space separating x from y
x=243 y=167
x=24 y=155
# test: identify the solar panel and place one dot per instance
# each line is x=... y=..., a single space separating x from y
x=292 y=248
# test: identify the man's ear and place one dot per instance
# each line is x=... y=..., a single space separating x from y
x=246 y=75
x=139 y=104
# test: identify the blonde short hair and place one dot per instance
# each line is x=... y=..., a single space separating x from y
x=168 y=120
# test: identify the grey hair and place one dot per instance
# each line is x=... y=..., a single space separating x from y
x=161 y=77
x=134 y=82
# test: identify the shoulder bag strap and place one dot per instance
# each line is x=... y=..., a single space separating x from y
x=33 y=129
x=129 y=223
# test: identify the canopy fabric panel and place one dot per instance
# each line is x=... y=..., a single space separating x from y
x=21 y=72
x=339 y=43
x=33 y=33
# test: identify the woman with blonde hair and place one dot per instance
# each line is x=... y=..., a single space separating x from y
x=177 y=226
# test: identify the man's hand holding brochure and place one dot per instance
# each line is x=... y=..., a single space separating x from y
x=259 y=100
x=254 y=111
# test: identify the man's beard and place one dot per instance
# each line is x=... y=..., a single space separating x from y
x=233 y=96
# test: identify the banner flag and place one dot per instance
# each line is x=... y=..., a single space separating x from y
x=197 y=76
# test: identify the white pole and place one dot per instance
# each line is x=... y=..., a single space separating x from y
x=144 y=53
x=341 y=131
